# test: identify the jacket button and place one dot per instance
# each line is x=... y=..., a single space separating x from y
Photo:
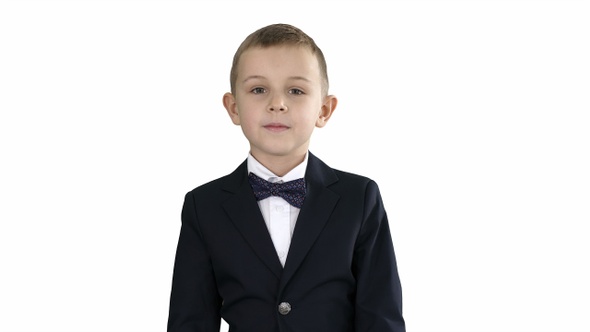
x=284 y=308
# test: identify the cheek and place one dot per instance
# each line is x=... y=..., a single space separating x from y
x=312 y=110
x=248 y=124
x=247 y=116
x=309 y=122
x=312 y=116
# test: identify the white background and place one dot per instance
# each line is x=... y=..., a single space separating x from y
x=472 y=116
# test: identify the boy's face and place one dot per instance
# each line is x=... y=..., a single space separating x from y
x=278 y=100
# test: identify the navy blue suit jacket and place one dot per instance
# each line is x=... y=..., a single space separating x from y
x=340 y=274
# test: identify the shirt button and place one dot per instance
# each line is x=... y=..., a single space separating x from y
x=279 y=208
x=284 y=308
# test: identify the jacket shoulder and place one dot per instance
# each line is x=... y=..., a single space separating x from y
x=227 y=182
x=210 y=186
x=353 y=179
x=334 y=177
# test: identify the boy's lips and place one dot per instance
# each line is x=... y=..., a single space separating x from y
x=276 y=127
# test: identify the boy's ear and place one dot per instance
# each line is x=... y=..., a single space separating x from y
x=229 y=102
x=326 y=111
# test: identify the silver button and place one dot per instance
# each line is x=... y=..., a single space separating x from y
x=284 y=308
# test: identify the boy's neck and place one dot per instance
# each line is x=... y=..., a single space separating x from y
x=279 y=165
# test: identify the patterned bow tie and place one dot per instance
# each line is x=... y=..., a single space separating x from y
x=293 y=191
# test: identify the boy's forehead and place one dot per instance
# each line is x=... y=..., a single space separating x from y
x=300 y=61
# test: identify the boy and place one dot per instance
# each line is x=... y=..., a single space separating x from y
x=284 y=243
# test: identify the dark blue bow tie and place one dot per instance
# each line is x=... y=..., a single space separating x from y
x=293 y=191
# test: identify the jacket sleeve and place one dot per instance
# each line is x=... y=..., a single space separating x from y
x=194 y=302
x=378 y=306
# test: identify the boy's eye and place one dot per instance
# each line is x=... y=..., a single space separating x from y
x=295 y=92
x=257 y=91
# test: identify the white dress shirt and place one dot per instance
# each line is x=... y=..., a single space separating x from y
x=279 y=216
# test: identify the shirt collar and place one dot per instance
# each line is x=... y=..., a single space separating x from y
x=254 y=166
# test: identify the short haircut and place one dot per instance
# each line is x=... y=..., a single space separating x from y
x=278 y=35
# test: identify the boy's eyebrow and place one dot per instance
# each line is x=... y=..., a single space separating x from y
x=252 y=77
x=301 y=78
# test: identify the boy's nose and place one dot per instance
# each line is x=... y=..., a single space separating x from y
x=277 y=108
x=277 y=104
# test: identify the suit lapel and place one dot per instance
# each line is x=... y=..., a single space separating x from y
x=245 y=214
x=317 y=208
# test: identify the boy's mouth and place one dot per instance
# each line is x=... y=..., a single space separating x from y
x=276 y=127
